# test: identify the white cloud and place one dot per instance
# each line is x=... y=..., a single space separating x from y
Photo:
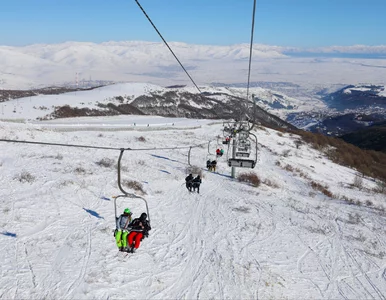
x=138 y=61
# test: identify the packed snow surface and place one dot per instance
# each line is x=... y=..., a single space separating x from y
x=282 y=239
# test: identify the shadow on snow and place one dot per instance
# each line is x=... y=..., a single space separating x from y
x=7 y=233
x=163 y=157
x=93 y=213
x=165 y=171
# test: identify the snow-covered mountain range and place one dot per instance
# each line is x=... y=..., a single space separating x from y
x=77 y=63
x=357 y=96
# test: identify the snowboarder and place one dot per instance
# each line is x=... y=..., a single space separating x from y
x=140 y=229
x=188 y=182
x=196 y=183
x=121 y=231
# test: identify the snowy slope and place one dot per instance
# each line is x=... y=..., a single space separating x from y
x=41 y=106
x=31 y=108
x=231 y=241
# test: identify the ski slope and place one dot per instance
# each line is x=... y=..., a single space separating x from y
x=232 y=241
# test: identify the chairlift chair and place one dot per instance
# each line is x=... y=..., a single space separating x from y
x=243 y=149
x=241 y=163
x=242 y=152
x=230 y=129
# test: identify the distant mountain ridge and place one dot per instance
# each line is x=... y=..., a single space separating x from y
x=175 y=103
x=357 y=96
x=272 y=109
x=147 y=99
x=349 y=109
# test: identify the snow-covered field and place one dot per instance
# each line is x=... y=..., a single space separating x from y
x=281 y=240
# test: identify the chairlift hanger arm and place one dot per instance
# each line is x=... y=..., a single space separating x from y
x=126 y=194
x=256 y=149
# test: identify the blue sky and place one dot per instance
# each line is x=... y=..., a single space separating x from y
x=297 y=23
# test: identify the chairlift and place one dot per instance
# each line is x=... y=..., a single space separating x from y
x=242 y=149
x=227 y=140
x=242 y=152
x=244 y=144
x=229 y=129
x=190 y=150
x=243 y=136
x=241 y=163
x=218 y=146
x=213 y=154
x=220 y=142
x=126 y=195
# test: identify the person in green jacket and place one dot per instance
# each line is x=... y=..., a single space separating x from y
x=122 y=229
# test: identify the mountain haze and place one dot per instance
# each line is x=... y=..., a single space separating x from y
x=82 y=64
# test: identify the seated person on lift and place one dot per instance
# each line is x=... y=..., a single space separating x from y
x=139 y=229
x=208 y=162
x=219 y=152
x=188 y=182
x=121 y=231
x=213 y=165
x=196 y=183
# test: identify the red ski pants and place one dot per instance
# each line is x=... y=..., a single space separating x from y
x=136 y=237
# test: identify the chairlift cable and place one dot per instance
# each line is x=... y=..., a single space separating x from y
x=167 y=45
x=250 y=64
x=251 y=46
x=99 y=147
x=58 y=144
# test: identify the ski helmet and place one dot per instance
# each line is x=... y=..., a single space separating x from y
x=127 y=211
x=143 y=217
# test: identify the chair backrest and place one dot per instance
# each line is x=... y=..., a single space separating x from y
x=241 y=163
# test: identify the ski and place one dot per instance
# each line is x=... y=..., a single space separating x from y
x=123 y=253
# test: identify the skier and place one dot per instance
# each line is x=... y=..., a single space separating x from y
x=140 y=228
x=188 y=181
x=122 y=229
x=218 y=152
x=196 y=183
